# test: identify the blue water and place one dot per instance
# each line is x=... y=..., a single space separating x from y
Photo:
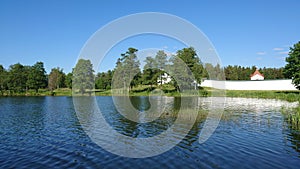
x=44 y=132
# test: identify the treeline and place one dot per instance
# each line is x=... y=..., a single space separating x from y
x=243 y=73
x=151 y=76
x=127 y=73
x=20 y=78
x=152 y=72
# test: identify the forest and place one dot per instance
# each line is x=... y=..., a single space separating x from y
x=19 y=78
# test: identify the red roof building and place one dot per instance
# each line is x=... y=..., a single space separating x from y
x=257 y=75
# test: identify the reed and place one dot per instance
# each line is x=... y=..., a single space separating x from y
x=292 y=117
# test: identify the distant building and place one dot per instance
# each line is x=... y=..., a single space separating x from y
x=164 y=79
x=257 y=76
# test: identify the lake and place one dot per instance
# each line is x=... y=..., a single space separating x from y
x=45 y=132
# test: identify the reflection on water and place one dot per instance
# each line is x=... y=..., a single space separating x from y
x=137 y=143
x=294 y=139
x=44 y=132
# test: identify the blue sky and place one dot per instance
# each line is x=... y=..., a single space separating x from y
x=246 y=33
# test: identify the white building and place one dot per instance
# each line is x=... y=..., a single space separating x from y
x=250 y=84
x=164 y=79
x=257 y=76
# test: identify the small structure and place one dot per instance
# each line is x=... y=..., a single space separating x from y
x=257 y=76
x=164 y=79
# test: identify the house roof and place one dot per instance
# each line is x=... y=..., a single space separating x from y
x=256 y=73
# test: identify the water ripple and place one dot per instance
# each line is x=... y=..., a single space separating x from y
x=44 y=132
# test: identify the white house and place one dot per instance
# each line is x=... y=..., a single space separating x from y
x=164 y=79
x=257 y=76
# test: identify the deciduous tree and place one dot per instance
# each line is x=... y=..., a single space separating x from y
x=292 y=68
x=36 y=76
x=17 y=78
x=3 y=79
x=56 y=79
x=68 y=80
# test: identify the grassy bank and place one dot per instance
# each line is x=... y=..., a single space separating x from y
x=41 y=92
x=290 y=96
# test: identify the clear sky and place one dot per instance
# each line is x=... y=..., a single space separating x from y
x=250 y=32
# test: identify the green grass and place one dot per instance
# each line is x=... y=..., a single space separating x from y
x=292 y=117
x=168 y=90
x=290 y=96
x=62 y=92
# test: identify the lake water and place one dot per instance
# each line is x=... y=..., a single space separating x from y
x=44 y=132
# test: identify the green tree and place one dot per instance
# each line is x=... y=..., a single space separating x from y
x=3 y=79
x=210 y=71
x=56 y=79
x=36 y=76
x=160 y=63
x=68 y=80
x=83 y=76
x=150 y=72
x=127 y=70
x=108 y=79
x=181 y=74
x=292 y=68
x=189 y=56
x=243 y=73
x=103 y=80
x=231 y=73
x=272 y=73
x=99 y=80
x=17 y=78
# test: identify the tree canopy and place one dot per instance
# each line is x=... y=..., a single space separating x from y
x=56 y=79
x=21 y=79
x=150 y=72
x=292 y=68
x=37 y=78
x=83 y=76
x=189 y=56
x=127 y=71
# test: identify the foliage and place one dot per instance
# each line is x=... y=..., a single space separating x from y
x=182 y=74
x=17 y=78
x=189 y=56
x=150 y=72
x=292 y=68
x=127 y=71
x=21 y=79
x=68 y=80
x=243 y=73
x=103 y=80
x=36 y=76
x=83 y=77
x=160 y=62
x=214 y=72
x=272 y=73
x=3 y=79
x=56 y=79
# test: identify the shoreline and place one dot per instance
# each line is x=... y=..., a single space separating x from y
x=287 y=95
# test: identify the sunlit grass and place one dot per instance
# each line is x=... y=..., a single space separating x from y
x=290 y=96
x=169 y=90
x=292 y=117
